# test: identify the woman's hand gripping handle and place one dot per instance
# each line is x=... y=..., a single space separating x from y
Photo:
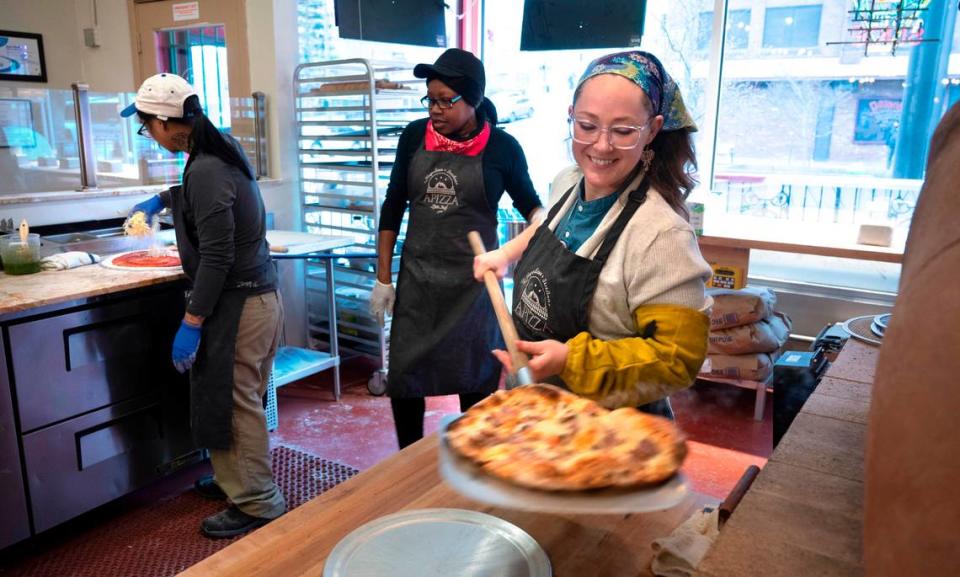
x=503 y=314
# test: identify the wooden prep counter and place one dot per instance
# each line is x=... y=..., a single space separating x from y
x=804 y=513
x=298 y=543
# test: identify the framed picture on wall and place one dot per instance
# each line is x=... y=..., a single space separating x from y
x=21 y=57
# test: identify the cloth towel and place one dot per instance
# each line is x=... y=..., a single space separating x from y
x=678 y=554
x=65 y=260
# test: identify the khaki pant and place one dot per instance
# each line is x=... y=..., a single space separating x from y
x=243 y=471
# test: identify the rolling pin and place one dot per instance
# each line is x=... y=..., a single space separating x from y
x=520 y=368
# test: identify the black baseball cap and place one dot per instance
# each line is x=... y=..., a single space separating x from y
x=454 y=64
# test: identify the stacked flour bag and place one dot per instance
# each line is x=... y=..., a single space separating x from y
x=746 y=333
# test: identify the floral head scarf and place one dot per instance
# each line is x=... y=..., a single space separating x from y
x=646 y=71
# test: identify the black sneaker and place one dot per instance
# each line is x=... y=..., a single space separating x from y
x=208 y=488
x=230 y=523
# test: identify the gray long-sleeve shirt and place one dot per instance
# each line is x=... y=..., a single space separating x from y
x=221 y=232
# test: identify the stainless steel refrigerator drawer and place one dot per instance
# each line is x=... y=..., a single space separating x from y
x=13 y=501
x=71 y=363
x=85 y=462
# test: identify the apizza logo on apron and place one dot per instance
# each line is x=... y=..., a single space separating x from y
x=441 y=194
x=534 y=304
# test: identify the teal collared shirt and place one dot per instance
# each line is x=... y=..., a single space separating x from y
x=583 y=218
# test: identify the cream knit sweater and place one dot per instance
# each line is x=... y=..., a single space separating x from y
x=655 y=261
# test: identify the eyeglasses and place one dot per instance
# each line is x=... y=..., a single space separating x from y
x=622 y=136
x=443 y=103
x=143 y=130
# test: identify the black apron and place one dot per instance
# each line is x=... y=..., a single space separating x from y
x=444 y=326
x=211 y=376
x=554 y=286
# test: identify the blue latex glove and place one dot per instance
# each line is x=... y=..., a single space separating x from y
x=149 y=207
x=185 y=346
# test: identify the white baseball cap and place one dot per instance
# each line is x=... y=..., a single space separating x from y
x=163 y=96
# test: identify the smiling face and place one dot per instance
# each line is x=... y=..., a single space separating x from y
x=609 y=100
x=460 y=119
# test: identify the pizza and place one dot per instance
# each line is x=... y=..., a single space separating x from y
x=143 y=259
x=543 y=437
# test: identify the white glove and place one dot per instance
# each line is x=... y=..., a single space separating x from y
x=381 y=300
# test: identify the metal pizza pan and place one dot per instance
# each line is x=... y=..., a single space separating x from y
x=437 y=542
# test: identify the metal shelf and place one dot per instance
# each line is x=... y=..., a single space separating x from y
x=364 y=166
x=364 y=126
x=343 y=152
x=294 y=363
x=337 y=182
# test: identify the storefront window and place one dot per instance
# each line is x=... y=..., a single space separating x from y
x=829 y=131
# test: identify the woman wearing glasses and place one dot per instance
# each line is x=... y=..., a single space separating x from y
x=451 y=168
x=231 y=328
x=609 y=296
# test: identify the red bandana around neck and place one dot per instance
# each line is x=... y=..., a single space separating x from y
x=435 y=141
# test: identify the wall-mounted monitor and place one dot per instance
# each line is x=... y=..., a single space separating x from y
x=21 y=57
x=419 y=22
x=578 y=24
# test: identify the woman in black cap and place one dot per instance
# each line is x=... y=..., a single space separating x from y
x=451 y=168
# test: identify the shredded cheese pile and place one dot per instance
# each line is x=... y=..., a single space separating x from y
x=137 y=225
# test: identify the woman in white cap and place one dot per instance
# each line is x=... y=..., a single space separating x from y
x=451 y=169
x=234 y=316
x=609 y=297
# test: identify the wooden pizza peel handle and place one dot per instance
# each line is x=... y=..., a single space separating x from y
x=733 y=499
x=503 y=314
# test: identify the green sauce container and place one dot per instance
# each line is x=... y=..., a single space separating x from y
x=20 y=257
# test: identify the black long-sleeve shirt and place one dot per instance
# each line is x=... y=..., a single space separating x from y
x=221 y=232
x=504 y=170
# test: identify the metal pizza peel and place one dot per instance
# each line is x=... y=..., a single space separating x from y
x=521 y=374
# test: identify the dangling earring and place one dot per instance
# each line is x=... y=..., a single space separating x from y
x=646 y=159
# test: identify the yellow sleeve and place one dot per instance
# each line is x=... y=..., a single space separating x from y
x=638 y=370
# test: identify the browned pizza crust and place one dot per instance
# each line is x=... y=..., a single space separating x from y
x=544 y=437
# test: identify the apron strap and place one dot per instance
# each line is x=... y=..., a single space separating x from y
x=559 y=204
x=634 y=200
